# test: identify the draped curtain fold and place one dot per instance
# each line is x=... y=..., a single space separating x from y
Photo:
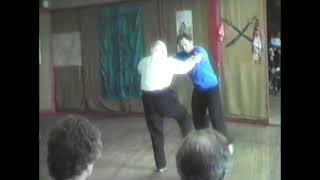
x=121 y=48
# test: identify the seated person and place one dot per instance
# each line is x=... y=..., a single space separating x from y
x=74 y=145
x=203 y=155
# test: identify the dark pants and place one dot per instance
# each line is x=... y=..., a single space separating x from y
x=211 y=100
x=158 y=105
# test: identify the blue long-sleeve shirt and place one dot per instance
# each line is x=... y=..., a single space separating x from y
x=202 y=75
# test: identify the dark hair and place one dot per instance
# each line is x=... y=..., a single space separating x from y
x=202 y=156
x=73 y=144
x=184 y=35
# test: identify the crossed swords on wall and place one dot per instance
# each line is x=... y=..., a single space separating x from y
x=240 y=33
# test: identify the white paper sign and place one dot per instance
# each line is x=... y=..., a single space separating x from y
x=67 y=49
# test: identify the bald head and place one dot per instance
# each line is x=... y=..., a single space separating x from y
x=159 y=48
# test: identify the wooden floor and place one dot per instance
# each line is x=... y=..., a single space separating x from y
x=275 y=109
x=128 y=155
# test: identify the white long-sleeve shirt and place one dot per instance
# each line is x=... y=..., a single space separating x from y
x=157 y=73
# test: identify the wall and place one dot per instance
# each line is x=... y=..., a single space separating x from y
x=46 y=98
x=245 y=83
x=80 y=88
x=68 y=79
x=80 y=3
x=182 y=84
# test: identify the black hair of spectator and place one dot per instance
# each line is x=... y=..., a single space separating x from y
x=73 y=144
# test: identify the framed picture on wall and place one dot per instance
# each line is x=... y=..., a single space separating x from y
x=184 y=23
x=67 y=49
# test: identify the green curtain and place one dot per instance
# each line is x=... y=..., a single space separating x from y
x=121 y=48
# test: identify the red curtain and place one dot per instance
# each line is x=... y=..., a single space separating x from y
x=216 y=34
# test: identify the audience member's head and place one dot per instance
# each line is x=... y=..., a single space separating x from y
x=202 y=156
x=73 y=146
x=275 y=40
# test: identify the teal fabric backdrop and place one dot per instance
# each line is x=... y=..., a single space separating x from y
x=121 y=49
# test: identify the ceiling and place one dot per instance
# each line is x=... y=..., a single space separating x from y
x=60 y=4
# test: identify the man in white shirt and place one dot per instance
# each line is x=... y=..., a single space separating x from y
x=157 y=72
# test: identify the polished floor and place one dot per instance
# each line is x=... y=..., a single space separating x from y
x=128 y=155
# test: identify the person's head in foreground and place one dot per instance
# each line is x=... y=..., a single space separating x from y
x=73 y=146
x=202 y=156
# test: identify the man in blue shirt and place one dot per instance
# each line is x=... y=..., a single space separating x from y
x=206 y=93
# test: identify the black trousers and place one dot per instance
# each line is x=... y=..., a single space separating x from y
x=158 y=105
x=201 y=101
